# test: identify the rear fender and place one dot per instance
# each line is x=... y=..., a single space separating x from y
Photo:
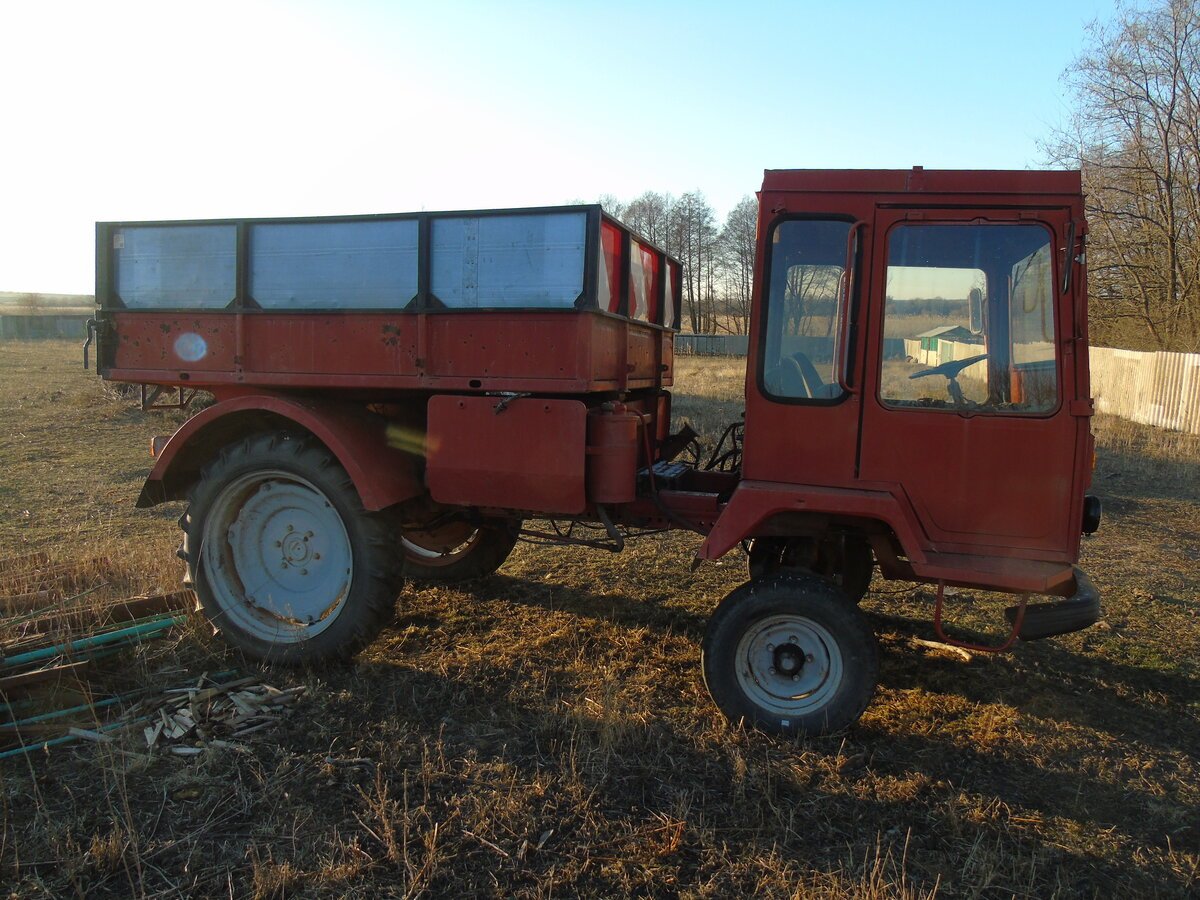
x=383 y=476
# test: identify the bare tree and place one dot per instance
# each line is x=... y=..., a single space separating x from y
x=738 y=240
x=694 y=230
x=650 y=215
x=1136 y=138
x=612 y=205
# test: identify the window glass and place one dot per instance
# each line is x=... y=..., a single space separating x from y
x=365 y=264
x=176 y=266
x=803 y=327
x=643 y=282
x=671 y=295
x=508 y=261
x=968 y=319
x=608 y=291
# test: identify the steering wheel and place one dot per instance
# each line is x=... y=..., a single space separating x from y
x=952 y=370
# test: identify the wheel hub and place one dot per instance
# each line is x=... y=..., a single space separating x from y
x=789 y=664
x=278 y=555
x=296 y=549
x=789 y=660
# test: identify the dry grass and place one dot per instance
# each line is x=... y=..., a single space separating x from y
x=546 y=732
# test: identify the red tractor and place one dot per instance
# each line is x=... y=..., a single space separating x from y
x=405 y=396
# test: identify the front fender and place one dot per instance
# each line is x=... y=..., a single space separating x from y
x=754 y=502
x=382 y=475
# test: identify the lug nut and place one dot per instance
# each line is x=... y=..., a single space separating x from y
x=795 y=678
x=770 y=647
x=771 y=671
x=304 y=571
x=809 y=658
x=793 y=638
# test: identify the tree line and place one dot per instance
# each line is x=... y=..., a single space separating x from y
x=1135 y=136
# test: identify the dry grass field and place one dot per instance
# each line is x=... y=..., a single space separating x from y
x=546 y=732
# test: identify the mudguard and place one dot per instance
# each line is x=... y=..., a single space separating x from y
x=383 y=476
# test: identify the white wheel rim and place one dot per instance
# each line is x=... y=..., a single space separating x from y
x=276 y=557
x=788 y=665
x=417 y=550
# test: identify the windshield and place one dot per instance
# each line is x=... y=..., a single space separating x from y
x=968 y=319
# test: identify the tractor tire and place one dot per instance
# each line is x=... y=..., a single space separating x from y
x=287 y=565
x=857 y=568
x=459 y=551
x=789 y=655
x=850 y=566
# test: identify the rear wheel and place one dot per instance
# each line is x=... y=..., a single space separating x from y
x=458 y=551
x=788 y=655
x=286 y=563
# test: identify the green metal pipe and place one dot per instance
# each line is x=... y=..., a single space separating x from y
x=132 y=634
x=66 y=738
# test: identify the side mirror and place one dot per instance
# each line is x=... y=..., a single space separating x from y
x=978 y=312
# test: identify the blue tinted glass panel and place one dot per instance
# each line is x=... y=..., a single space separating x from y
x=176 y=266
x=494 y=262
x=334 y=265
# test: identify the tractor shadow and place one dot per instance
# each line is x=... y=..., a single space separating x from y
x=636 y=772
x=1045 y=680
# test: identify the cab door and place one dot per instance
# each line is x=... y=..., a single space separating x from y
x=966 y=405
x=802 y=407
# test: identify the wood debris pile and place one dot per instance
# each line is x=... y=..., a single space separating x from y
x=57 y=626
x=185 y=720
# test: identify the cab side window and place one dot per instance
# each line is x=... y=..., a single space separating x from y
x=806 y=292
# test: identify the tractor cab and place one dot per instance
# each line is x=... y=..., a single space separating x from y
x=916 y=397
x=918 y=372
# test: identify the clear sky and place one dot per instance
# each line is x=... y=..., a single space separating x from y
x=132 y=110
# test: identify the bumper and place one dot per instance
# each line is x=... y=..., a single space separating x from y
x=1074 y=613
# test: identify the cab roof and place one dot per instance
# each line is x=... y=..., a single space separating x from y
x=921 y=180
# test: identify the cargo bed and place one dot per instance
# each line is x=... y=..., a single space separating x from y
x=553 y=300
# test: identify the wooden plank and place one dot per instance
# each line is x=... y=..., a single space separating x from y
x=9 y=682
x=127 y=610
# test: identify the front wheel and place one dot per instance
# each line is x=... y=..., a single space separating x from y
x=286 y=563
x=788 y=654
x=846 y=561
